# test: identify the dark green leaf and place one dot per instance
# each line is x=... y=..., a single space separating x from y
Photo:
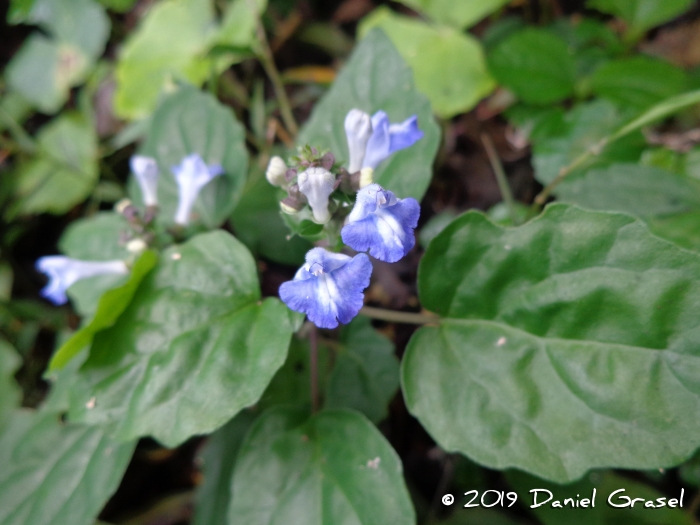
x=457 y=13
x=434 y=226
x=191 y=121
x=642 y=14
x=535 y=64
x=54 y=473
x=448 y=65
x=65 y=170
x=193 y=348
x=218 y=460
x=377 y=78
x=112 y=304
x=682 y=229
x=630 y=188
x=259 y=226
x=638 y=82
x=568 y=344
x=366 y=373
x=333 y=468
x=10 y=394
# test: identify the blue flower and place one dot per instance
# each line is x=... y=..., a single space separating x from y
x=146 y=171
x=317 y=184
x=328 y=288
x=368 y=151
x=381 y=224
x=191 y=176
x=64 y=272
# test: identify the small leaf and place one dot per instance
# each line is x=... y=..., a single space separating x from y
x=190 y=121
x=333 y=468
x=239 y=23
x=638 y=82
x=112 y=304
x=535 y=64
x=457 y=13
x=65 y=170
x=642 y=14
x=55 y=473
x=376 y=78
x=366 y=373
x=448 y=65
x=568 y=344
x=194 y=347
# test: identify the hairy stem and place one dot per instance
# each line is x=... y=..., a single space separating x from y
x=393 y=316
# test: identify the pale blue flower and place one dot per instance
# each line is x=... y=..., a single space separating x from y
x=64 y=272
x=329 y=287
x=317 y=184
x=191 y=176
x=146 y=171
x=381 y=224
x=368 y=151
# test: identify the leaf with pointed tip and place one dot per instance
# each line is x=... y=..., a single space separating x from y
x=567 y=344
x=335 y=467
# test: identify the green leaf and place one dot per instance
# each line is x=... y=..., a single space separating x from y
x=45 y=69
x=97 y=238
x=434 y=226
x=218 y=459
x=642 y=14
x=55 y=473
x=119 y=6
x=65 y=170
x=10 y=393
x=112 y=304
x=638 y=82
x=448 y=65
x=239 y=23
x=568 y=344
x=365 y=376
x=584 y=127
x=682 y=229
x=260 y=227
x=457 y=13
x=190 y=121
x=376 y=77
x=335 y=467
x=169 y=44
x=193 y=348
x=644 y=191
x=19 y=11
x=535 y=64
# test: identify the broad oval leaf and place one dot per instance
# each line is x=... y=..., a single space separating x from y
x=193 y=348
x=642 y=14
x=335 y=467
x=57 y=473
x=535 y=64
x=448 y=65
x=568 y=343
x=376 y=77
x=190 y=121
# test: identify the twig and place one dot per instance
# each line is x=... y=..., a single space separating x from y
x=501 y=178
x=399 y=317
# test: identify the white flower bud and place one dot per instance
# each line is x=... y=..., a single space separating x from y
x=358 y=129
x=276 y=171
x=123 y=204
x=366 y=177
x=317 y=184
x=146 y=171
x=136 y=245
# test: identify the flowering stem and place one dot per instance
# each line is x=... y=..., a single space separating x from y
x=500 y=177
x=314 y=368
x=393 y=316
x=268 y=63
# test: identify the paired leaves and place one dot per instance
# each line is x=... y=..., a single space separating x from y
x=448 y=65
x=192 y=349
x=567 y=344
x=335 y=467
x=376 y=78
x=56 y=473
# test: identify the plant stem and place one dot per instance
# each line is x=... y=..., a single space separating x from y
x=500 y=177
x=268 y=63
x=399 y=317
x=314 y=369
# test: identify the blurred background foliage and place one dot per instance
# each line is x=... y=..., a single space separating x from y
x=525 y=88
